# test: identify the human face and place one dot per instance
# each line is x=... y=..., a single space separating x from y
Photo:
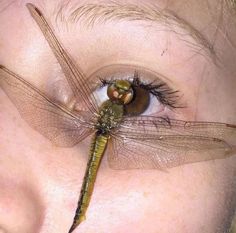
x=40 y=182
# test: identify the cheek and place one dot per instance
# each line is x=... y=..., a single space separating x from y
x=194 y=198
x=20 y=209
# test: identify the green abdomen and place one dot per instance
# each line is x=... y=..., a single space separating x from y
x=97 y=149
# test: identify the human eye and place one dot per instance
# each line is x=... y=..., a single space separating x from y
x=152 y=94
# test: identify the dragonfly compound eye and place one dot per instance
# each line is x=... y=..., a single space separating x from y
x=120 y=92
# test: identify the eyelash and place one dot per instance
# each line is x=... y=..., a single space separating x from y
x=160 y=90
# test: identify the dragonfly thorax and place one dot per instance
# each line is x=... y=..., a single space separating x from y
x=110 y=116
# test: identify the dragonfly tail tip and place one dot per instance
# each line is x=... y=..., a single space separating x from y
x=33 y=8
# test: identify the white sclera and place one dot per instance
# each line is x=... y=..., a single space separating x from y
x=101 y=95
x=154 y=106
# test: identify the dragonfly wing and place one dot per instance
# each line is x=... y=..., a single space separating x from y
x=127 y=153
x=144 y=145
x=149 y=125
x=75 y=77
x=54 y=121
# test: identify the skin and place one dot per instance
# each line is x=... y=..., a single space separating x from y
x=40 y=182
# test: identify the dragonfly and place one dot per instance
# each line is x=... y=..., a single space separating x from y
x=127 y=137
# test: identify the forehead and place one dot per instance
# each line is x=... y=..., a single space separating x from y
x=204 y=16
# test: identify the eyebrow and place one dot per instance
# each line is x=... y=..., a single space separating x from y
x=92 y=14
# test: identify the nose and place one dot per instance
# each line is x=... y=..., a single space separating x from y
x=21 y=210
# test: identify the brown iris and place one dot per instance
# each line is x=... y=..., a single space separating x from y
x=134 y=97
x=139 y=103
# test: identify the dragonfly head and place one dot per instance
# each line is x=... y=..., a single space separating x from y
x=120 y=92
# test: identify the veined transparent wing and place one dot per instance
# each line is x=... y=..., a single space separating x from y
x=54 y=121
x=75 y=77
x=153 y=142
